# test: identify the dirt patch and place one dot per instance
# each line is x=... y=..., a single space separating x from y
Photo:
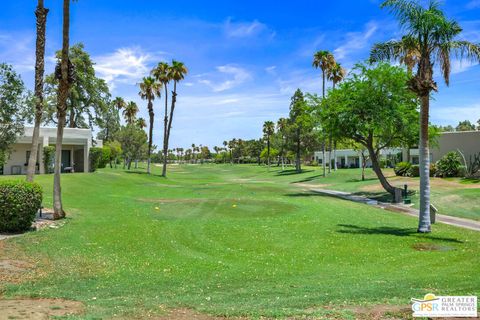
x=187 y=314
x=311 y=185
x=39 y=309
x=13 y=271
x=425 y=246
x=378 y=312
x=185 y=200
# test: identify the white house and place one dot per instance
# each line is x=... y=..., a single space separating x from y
x=75 y=150
x=467 y=142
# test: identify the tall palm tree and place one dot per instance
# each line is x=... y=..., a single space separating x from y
x=176 y=72
x=141 y=123
x=430 y=38
x=149 y=90
x=162 y=74
x=325 y=61
x=130 y=112
x=225 y=144
x=41 y=14
x=64 y=73
x=119 y=103
x=194 y=148
x=335 y=74
x=268 y=131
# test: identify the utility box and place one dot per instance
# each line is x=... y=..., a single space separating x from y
x=433 y=213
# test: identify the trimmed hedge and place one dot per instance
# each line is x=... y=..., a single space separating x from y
x=95 y=156
x=48 y=158
x=19 y=203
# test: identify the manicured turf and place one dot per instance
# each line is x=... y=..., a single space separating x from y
x=234 y=240
x=452 y=196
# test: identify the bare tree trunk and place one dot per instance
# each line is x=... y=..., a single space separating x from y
x=63 y=89
x=165 y=145
x=378 y=171
x=41 y=14
x=424 y=155
x=298 y=166
x=268 y=152
x=151 y=114
x=364 y=164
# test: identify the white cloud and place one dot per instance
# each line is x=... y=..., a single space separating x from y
x=458 y=66
x=237 y=77
x=125 y=65
x=473 y=4
x=244 y=29
x=356 y=40
x=18 y=50
x=271 y=70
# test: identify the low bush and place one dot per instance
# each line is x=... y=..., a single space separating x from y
x=449 y=165
x=414 y=171
x=402 y=168
x=433 y=169
x=106 y=157
x=19 y=202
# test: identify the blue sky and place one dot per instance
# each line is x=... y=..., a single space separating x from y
x=245 y=58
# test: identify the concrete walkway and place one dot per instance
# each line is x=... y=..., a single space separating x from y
x=405 y=209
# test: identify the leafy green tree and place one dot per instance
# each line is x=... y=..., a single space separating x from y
x=431 y=38
x=149 y=90
x=13 y=109
x=115 y=151
x=268 y=131
x=133 y=141
x=465 y=126
x=299 y=123
x=109 y=122
x=375 y=109
x=282 y=130
x=41 y=15
x=89 y=96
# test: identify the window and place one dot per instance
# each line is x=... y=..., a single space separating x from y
x=415 y=160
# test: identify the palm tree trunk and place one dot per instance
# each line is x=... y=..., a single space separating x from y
x=268 y=152
x=378 y=171
x=165 y=146
x=150 y=133
x=41 y=14
x=323 y=159
x=63 y=89
x=170 y=119
x=330 y=154
x=335 y=155
x=424 y=155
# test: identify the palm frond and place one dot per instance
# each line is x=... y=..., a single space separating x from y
x=404 y=10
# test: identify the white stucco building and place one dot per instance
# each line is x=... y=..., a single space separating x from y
x=75 y=150
x=467 y=142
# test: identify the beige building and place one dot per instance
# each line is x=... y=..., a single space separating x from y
x=75 y=150
x=467 y=142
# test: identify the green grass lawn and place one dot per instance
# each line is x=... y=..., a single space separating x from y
x=452 y=196
x=233 y=240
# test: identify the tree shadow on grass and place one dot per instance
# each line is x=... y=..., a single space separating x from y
x=142 y=173
x=360 y=179
x=291 y=171
x=393 y=231
x=381 y=196
x=308 y=179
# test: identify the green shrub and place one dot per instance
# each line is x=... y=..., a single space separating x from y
x=402 y=168
x=383 y=163
x=433 y=169
x=414 y=171
x=19 y=202
x=314 y=163
x=449 y=165
x=48 y=158
x=106 y=156
x=95 y=158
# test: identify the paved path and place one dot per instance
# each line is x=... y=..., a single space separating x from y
x=454 y=221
